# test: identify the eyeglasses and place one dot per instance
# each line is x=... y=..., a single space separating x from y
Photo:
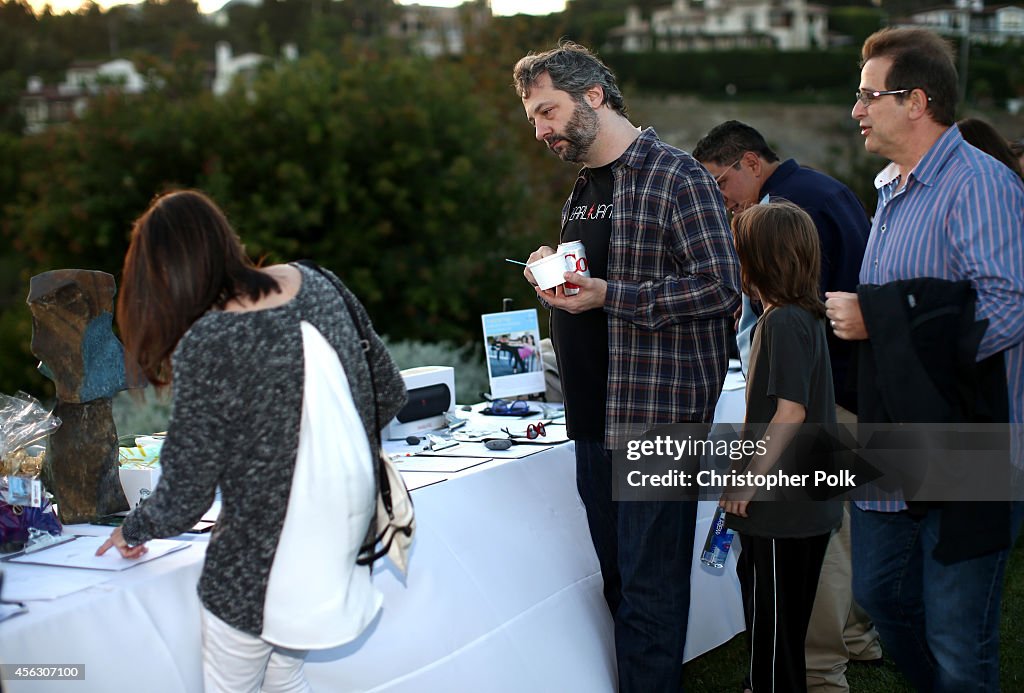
x=730 y=167
x=516 y=406
x=533 y=431
x=867 y=96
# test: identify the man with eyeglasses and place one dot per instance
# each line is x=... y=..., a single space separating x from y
x=931 y=575
x=643 y=343
x=748 y=171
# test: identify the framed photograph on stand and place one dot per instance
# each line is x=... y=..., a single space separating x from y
x=512 y=346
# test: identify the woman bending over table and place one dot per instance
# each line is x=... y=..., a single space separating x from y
x=273 y=403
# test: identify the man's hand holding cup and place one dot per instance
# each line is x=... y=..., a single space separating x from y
x=591 y=294
x=539 y=253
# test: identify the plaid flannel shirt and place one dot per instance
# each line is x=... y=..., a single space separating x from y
x=673 y=285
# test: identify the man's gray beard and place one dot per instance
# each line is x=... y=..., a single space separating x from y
x=580 y=133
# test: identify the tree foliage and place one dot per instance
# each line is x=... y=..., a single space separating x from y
x=46 y=44
x=413 y=179
x=856 y=22
x=398 y=173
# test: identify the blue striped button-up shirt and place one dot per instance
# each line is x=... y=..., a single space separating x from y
x=959 y=216
x=673 y=285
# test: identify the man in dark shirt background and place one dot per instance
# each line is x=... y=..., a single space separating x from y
x=748 y=170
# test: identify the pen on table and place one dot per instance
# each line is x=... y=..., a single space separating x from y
x=515 y=262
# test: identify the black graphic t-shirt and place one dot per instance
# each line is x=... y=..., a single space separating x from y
x=789 y=360
x=581 y=341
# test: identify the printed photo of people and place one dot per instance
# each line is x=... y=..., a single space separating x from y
x=513 y=353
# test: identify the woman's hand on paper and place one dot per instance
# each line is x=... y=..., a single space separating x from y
x=117 y=540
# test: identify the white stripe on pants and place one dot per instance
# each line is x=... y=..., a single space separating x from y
x=236 y=662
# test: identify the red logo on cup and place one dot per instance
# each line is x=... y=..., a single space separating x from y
x=571 y=266
x=578 y=265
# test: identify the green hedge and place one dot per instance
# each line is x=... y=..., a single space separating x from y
x=995 y=72
x=759 y=71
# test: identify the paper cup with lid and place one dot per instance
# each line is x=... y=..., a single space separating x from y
x=549 y=270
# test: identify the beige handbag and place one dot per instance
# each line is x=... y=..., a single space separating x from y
x=395 y=520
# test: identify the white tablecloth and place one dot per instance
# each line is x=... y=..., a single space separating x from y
x=503 y=594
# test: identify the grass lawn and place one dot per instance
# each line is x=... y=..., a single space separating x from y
x=722 y=669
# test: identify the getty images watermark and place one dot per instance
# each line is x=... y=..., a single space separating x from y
x=919 y=462
x=664 y=446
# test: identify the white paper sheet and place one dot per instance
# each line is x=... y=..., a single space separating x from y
x=81 y=553
x=480 y=450
x=446 y=465
x=415 y=480
x=35 y=583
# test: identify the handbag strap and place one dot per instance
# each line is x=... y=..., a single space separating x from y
x=383 y=482
x=363 y=341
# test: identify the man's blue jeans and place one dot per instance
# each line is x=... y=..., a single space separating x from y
x=939 y=623
x=645 y=550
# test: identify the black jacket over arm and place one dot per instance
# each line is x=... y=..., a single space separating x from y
x=920 y=366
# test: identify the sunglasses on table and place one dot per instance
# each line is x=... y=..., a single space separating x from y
x=533 y=431
x=501 y=406
x=515 y=407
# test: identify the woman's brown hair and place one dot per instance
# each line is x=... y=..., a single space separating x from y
x=982 y=135
x=780 y=255
x=183 y=260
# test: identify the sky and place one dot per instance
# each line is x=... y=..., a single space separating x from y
x=497 y=6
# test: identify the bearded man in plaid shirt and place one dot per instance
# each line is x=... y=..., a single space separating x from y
x=645 y=341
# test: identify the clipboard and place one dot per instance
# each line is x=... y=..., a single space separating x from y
x=79 y=551
x=56 y=541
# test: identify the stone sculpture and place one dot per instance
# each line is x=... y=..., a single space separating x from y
x=72 y=337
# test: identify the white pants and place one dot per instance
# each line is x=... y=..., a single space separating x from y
x=236 y=662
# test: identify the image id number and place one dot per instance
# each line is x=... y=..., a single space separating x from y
x=42 y=672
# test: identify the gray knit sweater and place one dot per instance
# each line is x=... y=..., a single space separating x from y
x=238 y=381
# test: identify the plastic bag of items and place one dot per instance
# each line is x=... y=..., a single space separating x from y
x=23 y=421
x=24 y=504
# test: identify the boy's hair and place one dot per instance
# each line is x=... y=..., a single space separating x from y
x=780 y=255
x=573 y=69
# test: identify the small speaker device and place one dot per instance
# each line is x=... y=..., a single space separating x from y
x=431 y=394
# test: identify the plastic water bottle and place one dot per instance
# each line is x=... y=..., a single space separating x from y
x=716 y=547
